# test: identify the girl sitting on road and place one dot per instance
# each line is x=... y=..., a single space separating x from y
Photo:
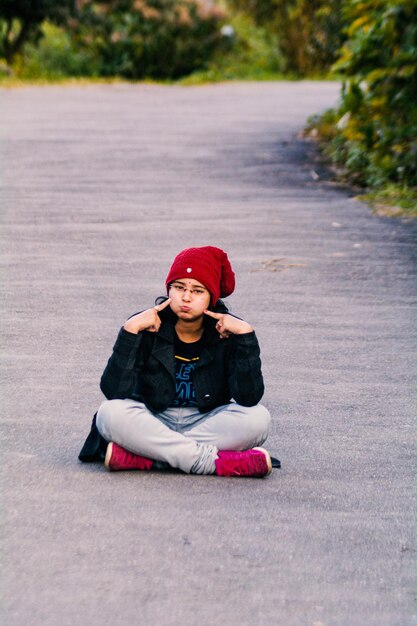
x=184 y=381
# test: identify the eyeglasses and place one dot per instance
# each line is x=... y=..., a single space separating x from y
x=195 y=291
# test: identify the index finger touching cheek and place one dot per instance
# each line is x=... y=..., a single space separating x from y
x=216 y=316
x=164 y=305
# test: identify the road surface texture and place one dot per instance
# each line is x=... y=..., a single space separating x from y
x=101 y=187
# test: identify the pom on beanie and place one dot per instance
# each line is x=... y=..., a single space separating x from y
x=209 y=265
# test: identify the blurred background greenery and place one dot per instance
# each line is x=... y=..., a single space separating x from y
x=368 y=45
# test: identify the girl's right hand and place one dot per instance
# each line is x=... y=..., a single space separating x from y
x=146 y=320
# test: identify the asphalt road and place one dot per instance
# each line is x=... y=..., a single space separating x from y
x=101 y=186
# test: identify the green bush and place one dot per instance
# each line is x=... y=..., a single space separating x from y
x=376 y=134
x=248 y=52
x=244 y=51
x=162 y=39
x=309 y=32
x=20 y=22
x=53 y=57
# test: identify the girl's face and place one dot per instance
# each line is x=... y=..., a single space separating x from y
x=189 y=298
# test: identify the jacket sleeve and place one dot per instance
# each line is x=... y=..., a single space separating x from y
x=119 y=379
x=244 y=369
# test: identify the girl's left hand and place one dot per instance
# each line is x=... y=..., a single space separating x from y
x=228 y=325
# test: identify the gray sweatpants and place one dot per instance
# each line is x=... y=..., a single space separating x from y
x=183 y=437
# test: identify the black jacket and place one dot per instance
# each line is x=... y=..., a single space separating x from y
x=142 y=367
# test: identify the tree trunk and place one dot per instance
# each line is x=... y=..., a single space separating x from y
x=12 y=46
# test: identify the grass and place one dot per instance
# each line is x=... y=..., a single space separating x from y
x=392 y=200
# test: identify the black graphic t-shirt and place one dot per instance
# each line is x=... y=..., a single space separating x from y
x=187 y=356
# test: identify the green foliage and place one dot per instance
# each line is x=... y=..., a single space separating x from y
x=377 y=134
x=309 y=31
x=249 y=53
x=393 y=200
x=20 y=21
x=54 y=57
x=134 y=39
x=243 y=51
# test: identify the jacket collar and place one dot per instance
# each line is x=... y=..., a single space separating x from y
x=163 y=349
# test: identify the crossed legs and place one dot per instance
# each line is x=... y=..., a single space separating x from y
x=183 y=437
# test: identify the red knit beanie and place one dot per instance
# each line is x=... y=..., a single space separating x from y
x=209 y=265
